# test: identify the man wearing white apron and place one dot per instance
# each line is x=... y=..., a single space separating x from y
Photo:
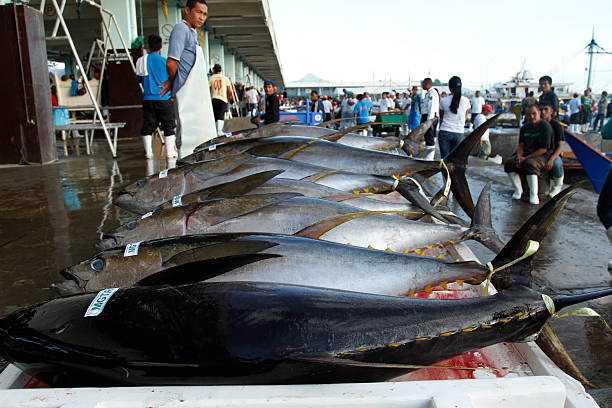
x=187 y=77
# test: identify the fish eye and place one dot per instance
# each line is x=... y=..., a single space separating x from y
x=142 y=182
x=97 y=265
x=131 y=225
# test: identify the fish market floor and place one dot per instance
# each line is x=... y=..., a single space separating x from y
x=50 y=217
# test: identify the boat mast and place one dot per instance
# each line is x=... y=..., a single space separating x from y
x=593 y=48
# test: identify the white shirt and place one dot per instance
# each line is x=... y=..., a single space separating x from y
x=477 y=104
x=479 y=120
x=385 y=103
x=252 y=96
x=431 y=104
x=574 y=105
x=327 y=106
x=454 y=122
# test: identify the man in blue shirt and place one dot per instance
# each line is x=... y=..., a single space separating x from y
x=361 y=112
x=156 y=109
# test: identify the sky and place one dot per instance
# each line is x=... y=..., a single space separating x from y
x=483 y=42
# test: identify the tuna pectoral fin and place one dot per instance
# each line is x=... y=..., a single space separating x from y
x=199 y=271
x=456 y=162
x=534 y=229
x=243 y=185
x=353 y=363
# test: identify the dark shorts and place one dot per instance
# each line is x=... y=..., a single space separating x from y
x=219 y=109
x=575 y=118
x=328 y=117
x=158 y=113
x=535 y=165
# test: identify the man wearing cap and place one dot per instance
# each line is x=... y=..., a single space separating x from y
x=187 y=78
x=484 y=149
x=221 y=93
x=272 y=113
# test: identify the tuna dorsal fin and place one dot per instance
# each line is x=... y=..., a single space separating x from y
x=218 y=250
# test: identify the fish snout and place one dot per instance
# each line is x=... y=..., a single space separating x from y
x=126 y=200
x=67 y=288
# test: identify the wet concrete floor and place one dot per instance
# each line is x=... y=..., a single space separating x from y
x=50 y=217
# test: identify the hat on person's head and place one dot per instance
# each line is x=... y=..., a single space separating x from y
x=487 y=107
x=268 y=82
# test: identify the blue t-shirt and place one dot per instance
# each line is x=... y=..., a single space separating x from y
x=182 y=47
x=156 y=67
x=363 y=112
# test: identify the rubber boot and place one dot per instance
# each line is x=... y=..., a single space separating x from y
x=515 y=179
x=147 y=141
x=430 y=152
x=556 y=186
x=532 y=182
x=171 y=147
x=220 y=128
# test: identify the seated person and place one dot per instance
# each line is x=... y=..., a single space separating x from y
x=554 y=164
x=533 y=151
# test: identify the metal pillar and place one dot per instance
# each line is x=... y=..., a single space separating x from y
x=217 y=53
x=229 y=68
x=239 y=70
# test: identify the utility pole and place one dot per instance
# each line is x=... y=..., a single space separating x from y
x=593 y=48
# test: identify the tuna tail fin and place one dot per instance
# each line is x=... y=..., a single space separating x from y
x=411 y=191
x=411 y=142
x=534 y=229
x=481 y=229
x=456 y=161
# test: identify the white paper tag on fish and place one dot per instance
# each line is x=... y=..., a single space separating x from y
x=177 y=201
x=212 y=147
x=97 y=304
x=163 y=174
x=147 y=215
x=131 y=249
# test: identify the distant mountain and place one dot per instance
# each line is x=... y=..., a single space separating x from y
x=311 y=78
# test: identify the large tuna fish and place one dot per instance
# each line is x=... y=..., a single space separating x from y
x=258 y=333
x=286 y=213
x=291 y=259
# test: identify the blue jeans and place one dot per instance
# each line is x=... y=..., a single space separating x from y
x=448 y=141
x=557 y=169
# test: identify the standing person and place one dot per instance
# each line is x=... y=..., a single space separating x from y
x=453 y=113
x=187 y=78
x=554 y=164
x=221 y=94
x=272 y=112
x=587 y=102
x=361 y=111
x=385 y=103
x=548 y=95
x=414 y=117
x=156 y=109
x=534 y=146
x=327 y=109
x=575 y=113
x=602 y=107
x=316 y=104
x=484 y=148
x=252 y=98
x=348 y=104
x=477 y=103
x=430 y=109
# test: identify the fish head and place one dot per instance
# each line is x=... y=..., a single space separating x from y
x=150 y=192
x=137 y=230
x=106 y=269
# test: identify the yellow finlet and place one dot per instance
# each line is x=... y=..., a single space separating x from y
x=446 y=334
x=428 y=288
x=411 y=294
x=443 y=284
x=421 y=339
x=459 y=282
x=389 y=250
x=370 y=247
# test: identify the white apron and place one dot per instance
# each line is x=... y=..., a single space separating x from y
x=195 y=107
